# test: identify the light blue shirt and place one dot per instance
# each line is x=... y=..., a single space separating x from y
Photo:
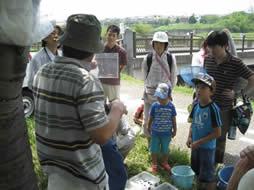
x=204 y=120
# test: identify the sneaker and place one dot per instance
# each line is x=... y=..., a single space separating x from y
x=166 y=167
x=154 y=169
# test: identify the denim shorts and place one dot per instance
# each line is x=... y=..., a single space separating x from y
x=160 y=144
x=202 y=163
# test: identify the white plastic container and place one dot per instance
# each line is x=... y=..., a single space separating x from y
x=165 y=186
x=142 y=181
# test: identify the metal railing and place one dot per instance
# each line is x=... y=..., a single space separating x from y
x=187 y=44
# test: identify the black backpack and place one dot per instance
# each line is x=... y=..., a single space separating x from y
x=150 y=58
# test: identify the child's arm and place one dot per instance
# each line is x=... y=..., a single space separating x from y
x=189 y=140
x=214 y=135
x=174 y=127
x=150 y=121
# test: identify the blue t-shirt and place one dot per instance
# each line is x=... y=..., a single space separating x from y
x=204 y=119
x=162 y=118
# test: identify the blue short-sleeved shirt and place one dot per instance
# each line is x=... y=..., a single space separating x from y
x=162 y=118
x=204 y=119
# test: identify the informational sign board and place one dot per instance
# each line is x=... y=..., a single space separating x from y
x=108 y=65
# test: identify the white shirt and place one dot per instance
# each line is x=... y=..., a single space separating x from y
x=157 y=74
x=41 y=58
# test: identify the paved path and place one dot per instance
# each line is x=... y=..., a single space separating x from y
x=131 y=95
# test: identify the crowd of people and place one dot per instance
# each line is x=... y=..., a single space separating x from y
x=75 y=134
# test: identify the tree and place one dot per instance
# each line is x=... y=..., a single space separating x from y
x=177 y=20
x=192 y=19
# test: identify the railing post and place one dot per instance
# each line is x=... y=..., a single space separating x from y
x=243 y=41
x=134 y=45
x=191 y=43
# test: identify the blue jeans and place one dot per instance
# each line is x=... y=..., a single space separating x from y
x=114 y=165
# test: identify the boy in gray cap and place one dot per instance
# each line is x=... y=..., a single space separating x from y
x=69 y=111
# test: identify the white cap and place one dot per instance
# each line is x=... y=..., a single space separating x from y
x=160 y=37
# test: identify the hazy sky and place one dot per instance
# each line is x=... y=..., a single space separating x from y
x=61 y=9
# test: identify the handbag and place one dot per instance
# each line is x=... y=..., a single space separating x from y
x=242 y=114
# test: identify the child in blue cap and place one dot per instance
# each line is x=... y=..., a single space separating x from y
x=161 y=126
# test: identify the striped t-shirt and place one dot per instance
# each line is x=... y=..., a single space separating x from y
x=225 y=75
x=69 y=102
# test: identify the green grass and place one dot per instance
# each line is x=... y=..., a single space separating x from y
x=131 y=79
x=42 y=182
x=139 y=159
x=184 y=90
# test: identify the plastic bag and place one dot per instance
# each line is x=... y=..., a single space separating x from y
x=242 y=115
x=126 y=142
x=21 y=23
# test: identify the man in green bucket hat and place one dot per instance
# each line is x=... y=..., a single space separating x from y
x=69 y=111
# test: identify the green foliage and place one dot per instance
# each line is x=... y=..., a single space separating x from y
x=142 y=29
x=42 y=182
x=238 y=22
x=209 y=19
x=192 y=19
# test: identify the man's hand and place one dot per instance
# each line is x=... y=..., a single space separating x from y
x=248 y=152
x=195 y=145
x=173 y=133
x=118 y=105
x=189 y=142
x=93 y=64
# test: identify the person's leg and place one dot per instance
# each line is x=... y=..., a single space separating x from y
x=106 y=91
x=111 y=92
x=207 y=172
x=226 y=117
x=114 y=166
x=155 y=144
x=147 y=106
x=195 y=161
x=114 y=92
x=164 y=150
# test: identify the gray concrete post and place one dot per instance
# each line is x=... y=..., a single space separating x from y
x=129 y=42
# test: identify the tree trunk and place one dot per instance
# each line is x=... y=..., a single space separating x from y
x=16 y=167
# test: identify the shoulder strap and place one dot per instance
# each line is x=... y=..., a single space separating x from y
x=149 y=60
x=170 y=61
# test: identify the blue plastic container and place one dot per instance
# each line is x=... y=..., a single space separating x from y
x=183 y=176
x=223 y=177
